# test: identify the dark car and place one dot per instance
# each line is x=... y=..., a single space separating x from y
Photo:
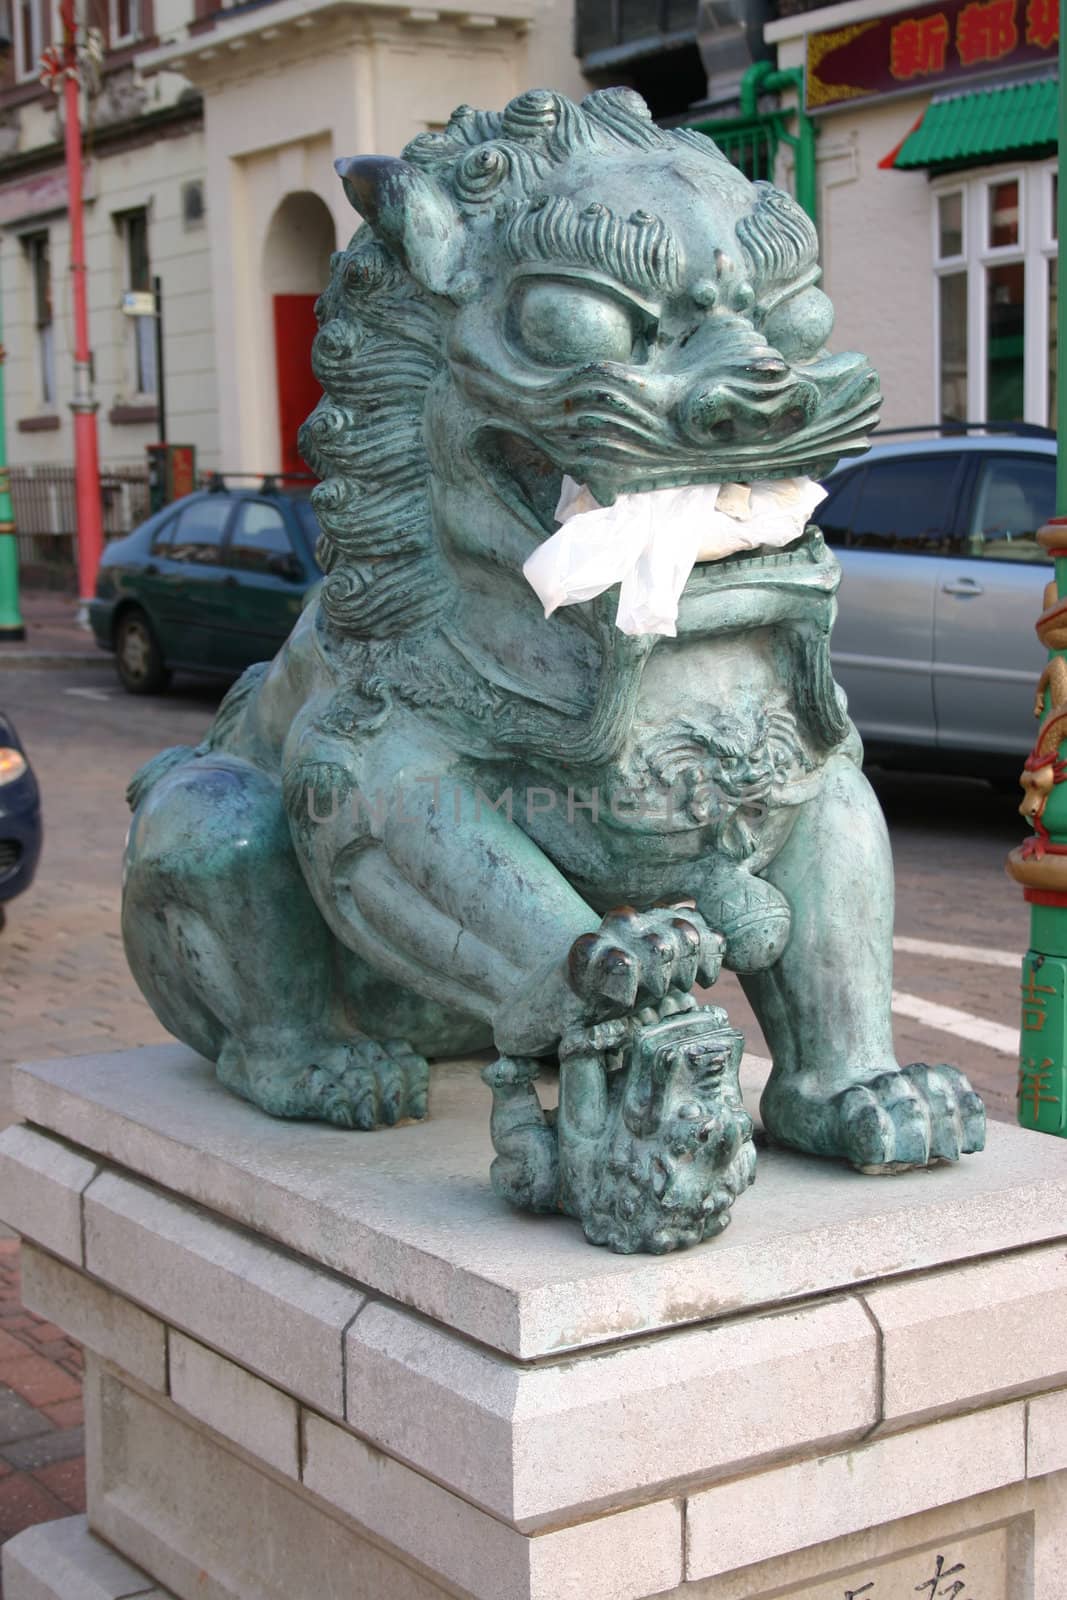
x=211 y=583
x=20 y=816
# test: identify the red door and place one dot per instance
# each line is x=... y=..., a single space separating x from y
x=298 y=392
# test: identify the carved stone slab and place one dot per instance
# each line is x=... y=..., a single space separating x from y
x=527 y=1286
x=288 y=1390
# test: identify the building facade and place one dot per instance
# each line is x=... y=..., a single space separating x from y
x=211 y=134
x=144 y=218
x=287 y=88
x=936 y=197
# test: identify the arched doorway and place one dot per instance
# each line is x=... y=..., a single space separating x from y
x=296 y=265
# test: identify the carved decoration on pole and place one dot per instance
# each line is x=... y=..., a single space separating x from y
x=1040 y=865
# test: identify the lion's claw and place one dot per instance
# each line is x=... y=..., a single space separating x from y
x=638 y=957
x=360 y=1083
x=909 y=1117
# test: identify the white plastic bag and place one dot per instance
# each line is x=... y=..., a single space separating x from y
x=649 y=543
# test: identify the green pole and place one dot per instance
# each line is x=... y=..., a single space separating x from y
x=762 y=77
x=1041 y=863
x=1061 y=312
x=11 y=626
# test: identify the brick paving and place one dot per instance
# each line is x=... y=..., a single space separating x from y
x=42 y=1466
x=65 y=989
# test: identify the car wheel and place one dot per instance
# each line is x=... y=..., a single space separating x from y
x=138 y=657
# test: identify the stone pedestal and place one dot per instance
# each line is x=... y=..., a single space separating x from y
x=328 y=1364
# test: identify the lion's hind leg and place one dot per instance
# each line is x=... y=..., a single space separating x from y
x=232 y=954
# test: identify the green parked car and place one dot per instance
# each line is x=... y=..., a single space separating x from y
x=209 y=584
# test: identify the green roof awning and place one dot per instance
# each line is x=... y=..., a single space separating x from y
x=967 y=129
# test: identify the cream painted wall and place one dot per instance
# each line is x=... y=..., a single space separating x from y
x=278 y=123
x=151 y=176
x=875 y=232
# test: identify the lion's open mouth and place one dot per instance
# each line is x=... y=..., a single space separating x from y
x=522 y=475
x=528 y=481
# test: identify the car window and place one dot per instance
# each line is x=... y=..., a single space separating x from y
x=199 y=530
x=1013 y=496
x=905 y=505
x=162 y=536
x=261 y=542
x=309 y=522
x=835 y=514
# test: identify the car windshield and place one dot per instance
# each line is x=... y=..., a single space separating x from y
x=308 y=522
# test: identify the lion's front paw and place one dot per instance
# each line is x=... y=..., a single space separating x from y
x=635 y=957
x=908 y=1117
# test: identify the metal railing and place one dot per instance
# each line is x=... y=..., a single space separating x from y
x=46 y=515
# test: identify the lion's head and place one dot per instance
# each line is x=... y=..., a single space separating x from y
x=556 y=289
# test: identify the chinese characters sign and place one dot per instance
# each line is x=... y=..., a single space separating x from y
x=946 y=1583
x=1042 y=1091
x=934 y=44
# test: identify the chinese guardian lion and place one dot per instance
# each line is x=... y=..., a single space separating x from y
x=439 y=822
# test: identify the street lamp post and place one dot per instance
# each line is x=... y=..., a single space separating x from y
x=86 y=449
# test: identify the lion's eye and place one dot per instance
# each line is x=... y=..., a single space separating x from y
x=560 y=324
x=800 y=327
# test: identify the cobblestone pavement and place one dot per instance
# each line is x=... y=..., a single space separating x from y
x=64 y=987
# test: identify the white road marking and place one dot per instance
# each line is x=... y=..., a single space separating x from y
x=961 y=1023
x=978 y=954
x=92 y=694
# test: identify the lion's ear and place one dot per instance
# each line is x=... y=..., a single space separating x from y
x=414 y=218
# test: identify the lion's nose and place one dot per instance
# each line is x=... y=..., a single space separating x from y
x=756 y=398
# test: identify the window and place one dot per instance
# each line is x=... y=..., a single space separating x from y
x=1014 y=495
x=261 y=542
x=192 y=204
x=123 y=18
x=38 y=257
x=162 y=537
x=137 y=275
x=835 y=514
x=905 y=505
x=309 y=523
x=32 y=29
x=199 y=530
x=995 y=264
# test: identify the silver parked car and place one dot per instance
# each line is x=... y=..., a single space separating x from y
x=942 y=584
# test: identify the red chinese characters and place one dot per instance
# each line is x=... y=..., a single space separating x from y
x=986 y=31
x=918 y=45
x=1043 y=23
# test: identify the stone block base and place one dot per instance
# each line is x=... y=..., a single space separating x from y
x=64 y=1561
x=327 y=1364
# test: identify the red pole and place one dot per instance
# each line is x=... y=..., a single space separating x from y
x=86 y=450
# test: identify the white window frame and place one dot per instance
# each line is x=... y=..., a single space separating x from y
x=139 y=330
x=45 y=390
x=28 y=71
x=1036 y=246
x=116 y=39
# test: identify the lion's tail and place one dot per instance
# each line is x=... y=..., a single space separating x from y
x=226 y=719
x=149 y=775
